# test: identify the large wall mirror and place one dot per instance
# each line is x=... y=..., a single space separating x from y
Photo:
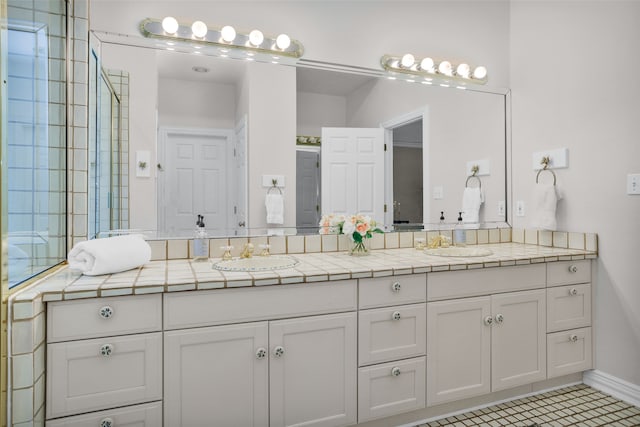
x=215 y=131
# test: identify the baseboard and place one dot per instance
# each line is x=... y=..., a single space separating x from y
x=616 y=387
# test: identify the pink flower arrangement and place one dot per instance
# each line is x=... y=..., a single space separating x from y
x=358 y=227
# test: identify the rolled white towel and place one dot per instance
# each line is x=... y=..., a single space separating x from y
x=109 y=255
x=275 y=208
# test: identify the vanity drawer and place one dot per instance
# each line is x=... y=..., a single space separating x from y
x=568 y=272
x=225 y=306
x=568 y=307
x=468 y=283
x=392 y=290
x=392 y=333
x=147 y=415
x=103 y=373
x=569 y=352
x=391 y=388
x=102 y=317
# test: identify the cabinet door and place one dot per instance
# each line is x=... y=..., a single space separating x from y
x=313 y=370
x=217 y=376
x=518 y=340
x=458 y=349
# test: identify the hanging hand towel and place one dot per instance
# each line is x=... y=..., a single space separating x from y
x=275 y=208
x=545 y=199
x=109 y=255
x=472 y=198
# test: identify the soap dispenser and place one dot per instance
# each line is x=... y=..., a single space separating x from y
x=459 y=235
x=200 y=241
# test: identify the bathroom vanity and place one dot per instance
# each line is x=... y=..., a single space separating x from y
x=336 y=342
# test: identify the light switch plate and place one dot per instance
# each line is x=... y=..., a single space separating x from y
x=438 y=193
x=633 y=183
x=501 y=208
x=520 y=208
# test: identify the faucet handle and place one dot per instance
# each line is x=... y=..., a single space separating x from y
x=226 y=256
x=264 y=250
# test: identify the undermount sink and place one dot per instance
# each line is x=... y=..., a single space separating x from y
x=458 y=251
x=256 y=263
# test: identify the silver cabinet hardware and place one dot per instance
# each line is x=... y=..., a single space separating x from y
x=278 y=351
x=106 y=350
x=499 y=318
x=573 y=338
x=573 y=268
x=573 y=291
x=106 y=422
x=106 y=312
x=488 y=320
x=396 y=315
x=395 y=371
x=395 y=287
x=261 y=353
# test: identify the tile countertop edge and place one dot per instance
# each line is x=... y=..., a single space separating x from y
x=65 y=285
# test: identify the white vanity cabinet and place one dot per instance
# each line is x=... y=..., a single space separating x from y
x=569 y=338
x=282 y=371
x=486 y=343
x=392 y=329
x=103 y=353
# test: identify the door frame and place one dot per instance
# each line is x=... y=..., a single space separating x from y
x=163 y=136
x=389 y=125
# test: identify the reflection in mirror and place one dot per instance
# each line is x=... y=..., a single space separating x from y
x=431 y=134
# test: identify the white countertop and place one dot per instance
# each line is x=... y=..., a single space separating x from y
x=187 y=275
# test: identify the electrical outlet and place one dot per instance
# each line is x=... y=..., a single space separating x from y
x=501 y=208
x=520 y=208
x=633 y=183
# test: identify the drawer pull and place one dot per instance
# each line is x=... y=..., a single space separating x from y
x=573 y=338
x=106 y=312
x=278 y=351
x=395 y=371
x=106 y=422
x=499 y=318
x=396 y=315
x=106 y=350
x=488 y=320
x=573 y=291
x=573 y=268
x=395 y=287
x=261 y=353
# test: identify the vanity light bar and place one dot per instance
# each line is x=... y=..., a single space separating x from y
x=225 y=39
x=443 y=72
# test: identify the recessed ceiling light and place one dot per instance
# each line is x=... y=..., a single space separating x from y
x=199 y=69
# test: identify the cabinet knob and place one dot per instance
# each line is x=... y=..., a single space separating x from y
x=106 y=422
x=106 y=312
x=278 y=351
x=395 y=287
x=573 y=291
x=106 y=350
x=396 y=315
x=488 y=320
x=573 y=338
x=395 y=371
x=573 y=268
x=261 y=353
x=499 y=318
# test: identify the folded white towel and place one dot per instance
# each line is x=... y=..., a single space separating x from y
x=109 y=255
x=275 y=208
x=545 y=199
x=472 y=198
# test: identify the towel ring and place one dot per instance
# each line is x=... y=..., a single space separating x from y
x=274 y=186
x=545 y=163
x=473 y=176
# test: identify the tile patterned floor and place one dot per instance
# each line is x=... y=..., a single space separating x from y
x=578 y=405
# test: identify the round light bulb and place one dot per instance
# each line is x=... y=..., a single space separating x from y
x=170 y=25
x=426 y=64
x=256 y=38
x=228 y=33
x=407 y=60
x=283 y=41
x=480 y=72
x=463 y=70
x=445 y=68
x=199 y=29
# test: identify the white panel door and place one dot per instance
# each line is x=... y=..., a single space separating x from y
x=352 y=171
x=313 y=370
x=214 y=376
x=518 y=340
x=458 y=349
x=194 y=180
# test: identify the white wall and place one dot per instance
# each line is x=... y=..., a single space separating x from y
x=574 y=69
x=316 y=110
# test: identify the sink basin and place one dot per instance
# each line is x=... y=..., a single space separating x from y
x=458 y=251
x=257 y=263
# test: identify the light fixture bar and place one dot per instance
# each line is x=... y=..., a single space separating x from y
x=443 y=72
x=224 y=39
